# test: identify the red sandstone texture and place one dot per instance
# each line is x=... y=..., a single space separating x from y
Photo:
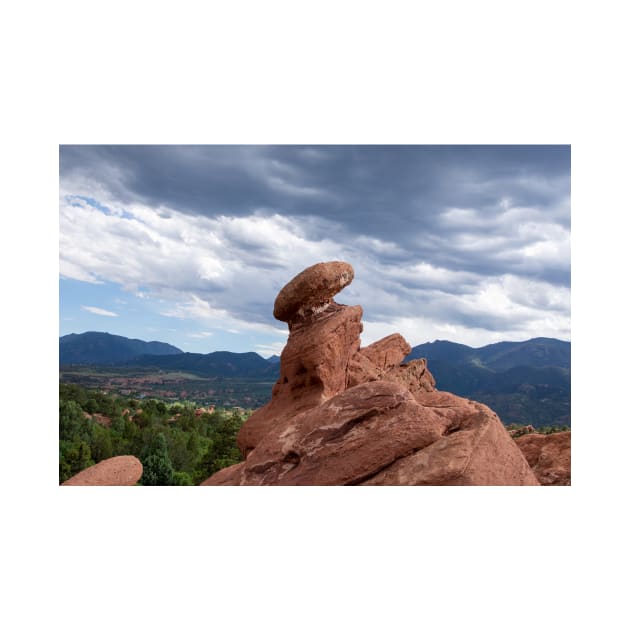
x=124 y=470
x=345 y=415
x=549 y=456
x=311 y=290
x=313 y=368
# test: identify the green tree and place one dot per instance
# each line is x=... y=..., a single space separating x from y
x=186 y=420
x=222 y=451
x=153 y=410
x=118 y=424
x=65 y=472
x=73 y=425
x=101 y=444
x=105 y=403
x=178 y=450
x=73 y=457
x=194 y=448
x=182 y=479
x=70 y=391
x=143 y=419
x=131 y=429
x=157 y=467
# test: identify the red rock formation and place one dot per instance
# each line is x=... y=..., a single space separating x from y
x=414 y=375
x=312 y=290
x=313 y=368
x=124 y=470
x=341 y=414
x=387 y=352
x=371 y=362
x=549 y=456
x=475 y=450
x=229 y=476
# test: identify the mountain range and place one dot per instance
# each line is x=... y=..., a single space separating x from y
x=526 y=382
x=539 y=353
x=101 y=348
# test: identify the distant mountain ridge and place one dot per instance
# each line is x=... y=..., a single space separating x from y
x=220 y=363
x=540 y=352
x=101 y=348
x=525 y=382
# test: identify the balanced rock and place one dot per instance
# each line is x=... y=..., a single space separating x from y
x=312 y=290
x=345 y=415
x=123 y=470
x=549 y=456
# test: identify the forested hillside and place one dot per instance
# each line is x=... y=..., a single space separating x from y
x=526 y=382
x=177 y=444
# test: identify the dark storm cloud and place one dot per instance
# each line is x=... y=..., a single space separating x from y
x=400 y=194
x=375 y=183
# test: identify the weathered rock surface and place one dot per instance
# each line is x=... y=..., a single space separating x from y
x=549 y=456
x=311 y=290
x=313 y=368
x=415 y=376
x=373 y=361
x=124 y=470
x=475 y=451
x=345 y=415
x=229 y=476
x=387 y=352
x=378 y=434
x=344 y=440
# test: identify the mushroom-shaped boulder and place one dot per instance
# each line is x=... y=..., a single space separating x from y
x=312 y=289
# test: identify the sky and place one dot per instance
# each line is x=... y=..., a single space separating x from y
x=191 y=244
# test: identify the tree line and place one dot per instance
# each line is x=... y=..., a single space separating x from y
x=521 y=429
x=175 y=445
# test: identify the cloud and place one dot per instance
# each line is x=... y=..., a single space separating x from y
x=99 y=311
x=467 y=240
x=268 y=349
x=230 y=265
x=200 y=310
x=378 y=191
